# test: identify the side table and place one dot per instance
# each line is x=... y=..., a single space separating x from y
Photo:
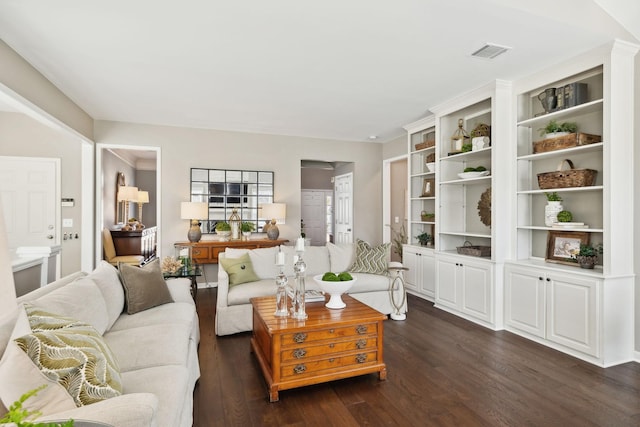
x=191 y=273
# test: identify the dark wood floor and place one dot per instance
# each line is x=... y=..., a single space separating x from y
x=442 y=371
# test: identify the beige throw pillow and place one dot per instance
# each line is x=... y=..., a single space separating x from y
x=144 y=287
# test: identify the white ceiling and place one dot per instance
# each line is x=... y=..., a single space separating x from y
x=340 y=69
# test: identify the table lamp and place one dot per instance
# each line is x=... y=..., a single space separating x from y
x=127 y=194
x=143 y=197
x=277 y=212
x=194 y=211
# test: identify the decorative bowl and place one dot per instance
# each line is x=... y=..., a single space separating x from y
x=335 y=289
x=467 y=175
x=431 y=166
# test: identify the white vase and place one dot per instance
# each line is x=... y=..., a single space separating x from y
x=551 y=212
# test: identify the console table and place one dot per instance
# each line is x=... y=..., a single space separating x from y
x=206 y=251
x=138 y=242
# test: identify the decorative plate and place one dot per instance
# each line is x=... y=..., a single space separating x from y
x=467 y=175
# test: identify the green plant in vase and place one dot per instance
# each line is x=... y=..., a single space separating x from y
x=424 y=238
x=554 y=127
x=553 y=197
x=223 y=226
x=587 y=257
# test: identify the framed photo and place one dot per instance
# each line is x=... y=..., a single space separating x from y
x=429 y=188
x=562 y=246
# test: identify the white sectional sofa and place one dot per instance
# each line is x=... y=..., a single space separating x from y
x=155 y=349
x=233 y=308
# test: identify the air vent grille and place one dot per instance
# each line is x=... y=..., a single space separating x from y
x=490 y=51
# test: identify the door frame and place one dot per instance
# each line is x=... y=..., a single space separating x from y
x=98 y=217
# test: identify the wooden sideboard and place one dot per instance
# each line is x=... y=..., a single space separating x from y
x=206 y=251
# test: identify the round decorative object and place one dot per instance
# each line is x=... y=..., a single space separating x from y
x=484 y=207
x=335 y=289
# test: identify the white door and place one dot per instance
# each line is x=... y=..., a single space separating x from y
x=28 y=189
x=344 y=208
x=314 y=213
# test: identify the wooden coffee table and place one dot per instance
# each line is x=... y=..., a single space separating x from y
x=329 y=345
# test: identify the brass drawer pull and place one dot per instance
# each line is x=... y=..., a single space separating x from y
x=361 y=358
x=332 y=345
x=361 y=329
x=299 y=353
x=360 y=344
x=332 y=360
x=298 y=369
x=299 y=337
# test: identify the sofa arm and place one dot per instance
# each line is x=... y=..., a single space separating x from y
x=128 y=410
x=223 y=283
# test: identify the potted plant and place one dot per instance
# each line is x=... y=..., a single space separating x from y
x=587 y=257
x=223 y=228
x=424 y=238
x=552 y=208
x=554 y=129
x=246 y=228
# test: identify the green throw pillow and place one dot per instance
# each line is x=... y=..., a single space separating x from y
x=240 y=270
x=74 y=354
x=371 y=259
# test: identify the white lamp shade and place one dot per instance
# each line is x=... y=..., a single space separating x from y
x=277 y=211
x=194 y=210
x=143 y=196
x=127 y=193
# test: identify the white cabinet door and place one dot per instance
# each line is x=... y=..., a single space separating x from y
x=410 y=260
x=427 y=267
x=476 y=290
x=447 y=282
x=525 y=300
x=572 y=318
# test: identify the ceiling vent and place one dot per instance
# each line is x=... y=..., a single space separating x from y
x=490 y=51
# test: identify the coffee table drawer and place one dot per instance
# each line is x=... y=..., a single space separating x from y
x=310 y=351
x=315 y=367
x=298 y=338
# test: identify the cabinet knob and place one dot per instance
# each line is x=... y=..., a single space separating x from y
x=548 y=279
x=540 y=278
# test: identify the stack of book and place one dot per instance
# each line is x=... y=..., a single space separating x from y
x=569 y=225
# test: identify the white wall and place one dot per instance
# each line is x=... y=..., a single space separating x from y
x=636 y=208
x=184 y=148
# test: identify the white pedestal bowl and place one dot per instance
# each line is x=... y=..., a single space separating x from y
x=335 y=289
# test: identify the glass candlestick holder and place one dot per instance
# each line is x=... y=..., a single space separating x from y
x=281 y=295
x=297 y=304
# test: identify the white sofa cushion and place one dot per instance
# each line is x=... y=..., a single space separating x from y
x=18 y=375
x=64 y=301
x=242 y=294
x=316 y=258
x=262 y=259
x=169 y=383
x=107 y=278
x=341 y=256
x=161 y=315
x=155 y=345
x=369 y=283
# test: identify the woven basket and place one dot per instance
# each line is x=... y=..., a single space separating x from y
x=567 y=178
x=431 y=158
x=565 y=141
x=474 y=250
x=425 y=144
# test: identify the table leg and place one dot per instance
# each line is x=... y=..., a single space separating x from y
x=194 y=287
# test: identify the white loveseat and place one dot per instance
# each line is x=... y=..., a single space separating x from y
x=156 y=349
x=233 y=307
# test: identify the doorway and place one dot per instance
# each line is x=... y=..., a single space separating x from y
x=395 y=204
x=319 y=199
x=140 y=167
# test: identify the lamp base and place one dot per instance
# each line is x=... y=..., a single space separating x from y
x=194 y=233
x=273 y=232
